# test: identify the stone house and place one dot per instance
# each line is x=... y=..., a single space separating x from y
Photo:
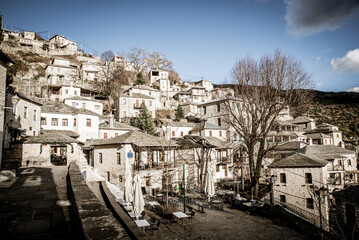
x=206 y=129
x=128 y=105
x=62 y=43
x=59 y=116
x=85 y=103
x=190 y=109
x=198 y=94
x=304 y=123
x=110 y=128
x=141 y=153
x=174 y=129
x=90 y=71
x=282 y=132
x=326 y=134
x=301 y=186
x=60 y=70
x=59 y=93
x=25 y=120
x=343 y=168
x=156 y=75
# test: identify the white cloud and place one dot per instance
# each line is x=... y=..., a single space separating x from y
x=354 y=89
x=347 y=64
x=306 y=17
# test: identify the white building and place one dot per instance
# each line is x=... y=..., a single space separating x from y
x=62 y=43
x=85 y=103
x=59 y=93
x=172 y=129
x=111 y=128
x=61 y=71
x=59 y=116
x=156 y=75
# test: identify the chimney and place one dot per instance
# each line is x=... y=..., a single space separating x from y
x=342 y=144
x=310 y=141
x=111 y=120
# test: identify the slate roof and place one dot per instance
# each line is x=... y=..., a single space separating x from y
x=82 y=99
x=205 y=125
x=301 y=120
x=143 y=87
x=68 y=133
x=28 y=99
x=118 y=125
x=316 y=135
x=325 y=151
x=348 y=193
x=51 y=138
x=137 y=138
x=299 y=160
x=63 y=108
x=136 y=95
x=295 y=145
x=178 y=124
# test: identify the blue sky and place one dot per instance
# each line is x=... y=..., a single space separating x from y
x=205 y=38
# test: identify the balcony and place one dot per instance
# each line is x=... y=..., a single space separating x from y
x=136 y=106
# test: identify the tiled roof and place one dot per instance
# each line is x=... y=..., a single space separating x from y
x=301 y=120
x=51 y=138
x=316 y=135
x=178 y=124
x=63 y=108
x=299 y=160
x=28 y=99
x=137 y=138
x=143 y=87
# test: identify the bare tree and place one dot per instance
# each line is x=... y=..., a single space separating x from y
x=156 y=60
x=138 y=58
x=264 y=88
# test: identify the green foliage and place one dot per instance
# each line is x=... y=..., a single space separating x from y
x=145 y=121
x=139 y=79
x=179 y=112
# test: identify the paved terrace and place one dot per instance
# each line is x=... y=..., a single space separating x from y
x=30 y=206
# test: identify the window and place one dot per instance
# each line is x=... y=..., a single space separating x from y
x=108 y=176
x=282 y=198
x=349 y=162
x=118 y=158
x=339 y=162
x=88 y=122
x=283 y=178
x=148 y=182
x=150 y=103
x=66 y=91
x=75 y=92
x=310 y=203
x=65 y=122
x=34 y=133
x=97 y=107
x=120 y=178
x=218 y=107
x=204 y=110
x=308 y=178
x=137 y=103
x=100 y=157
x=173 y=133
x=217 y=168
x=30 y=128
x=74 y=122
x=116 y=134
x=54 y=121
x=220 y=133
x=124 y=113
x=210 y=133
x=74 y=104
x=43 y=121
x=124 y=101
x=25 y=112
x=105 y=135
x=83 y=105
x=219 y=122
x=35 y=115
x=181 y=134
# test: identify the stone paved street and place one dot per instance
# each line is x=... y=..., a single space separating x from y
x=29 y=207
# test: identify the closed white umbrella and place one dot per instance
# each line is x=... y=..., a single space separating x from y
x=138 y=202
x=209 y=184
x=128 y=186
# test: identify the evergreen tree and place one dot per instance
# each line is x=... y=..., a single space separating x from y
x=145 y=121
x=179 y=112
x=139 y=79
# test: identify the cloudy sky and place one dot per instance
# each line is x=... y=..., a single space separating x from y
x=205 y=38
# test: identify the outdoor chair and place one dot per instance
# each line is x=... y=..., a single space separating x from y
x=155 y=226
x=143 y=214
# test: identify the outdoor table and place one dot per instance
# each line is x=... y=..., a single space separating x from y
x=200 y=207
x=217 y=204
x=128 y=208
x=142 y=223
x=133 y=215
x=153 y=203
x=180 y=216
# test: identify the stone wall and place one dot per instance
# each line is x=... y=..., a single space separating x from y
x=90 y=218
x=2 y=102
